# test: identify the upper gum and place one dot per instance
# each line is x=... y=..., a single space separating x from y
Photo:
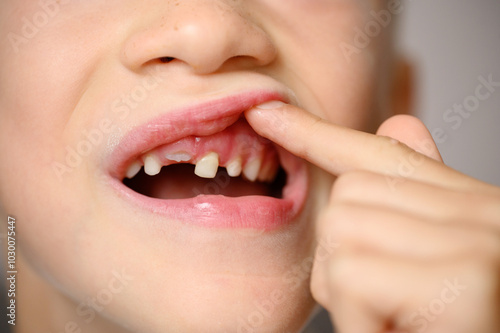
x=224 y=143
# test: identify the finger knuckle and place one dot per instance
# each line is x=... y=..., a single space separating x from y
x=337 y=222
x=489 y=246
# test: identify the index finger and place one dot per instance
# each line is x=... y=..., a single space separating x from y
x=339 y=149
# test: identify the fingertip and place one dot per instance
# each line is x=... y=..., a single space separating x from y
x=270 y=105
x=412 y=132
x=264 y=110
x=266 y=119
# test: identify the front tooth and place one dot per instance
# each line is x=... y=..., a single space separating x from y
x=251 y=171
x=207 y=166
x=133 y=169
x=152 y=165
x=234 y=168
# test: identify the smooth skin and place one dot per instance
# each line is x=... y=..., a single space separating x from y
x=408 y=227
x=60 y=82
x=77 y=233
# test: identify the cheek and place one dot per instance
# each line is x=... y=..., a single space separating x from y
x=328 y=83
x=40 y=84
x=36 y=99
x=46 y=208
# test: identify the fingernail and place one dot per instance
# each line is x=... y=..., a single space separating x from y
x=270 y=105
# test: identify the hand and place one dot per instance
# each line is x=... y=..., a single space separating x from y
x=419 y=242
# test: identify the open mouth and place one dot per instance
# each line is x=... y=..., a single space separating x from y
x=205 y=165
x=233 y=163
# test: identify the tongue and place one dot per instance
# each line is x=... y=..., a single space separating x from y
x=180 y=182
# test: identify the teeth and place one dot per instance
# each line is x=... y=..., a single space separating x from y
x=272 y=174
x=234 y=168
x=251 y=171
x=152 y=165
x=134 y=169
x=207 y=166
x=179 y=157
x=268 y=173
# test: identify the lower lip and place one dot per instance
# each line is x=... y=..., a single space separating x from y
x=217 y=211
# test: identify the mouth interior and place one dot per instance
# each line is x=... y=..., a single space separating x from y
x=178 y=181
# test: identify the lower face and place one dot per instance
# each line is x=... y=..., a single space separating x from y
x=92 y=92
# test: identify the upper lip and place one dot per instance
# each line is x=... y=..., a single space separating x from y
x=201 y=119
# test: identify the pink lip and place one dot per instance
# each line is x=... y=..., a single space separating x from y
x=214 y=211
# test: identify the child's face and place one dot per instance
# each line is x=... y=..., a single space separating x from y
x=87 y=88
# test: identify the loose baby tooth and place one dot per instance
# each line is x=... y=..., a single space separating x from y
x=179 y=157
x=272 y=174
x=234 y=168
x=134 y=169
x=269 y=171
x=152 y=165
x=251 y=170
x=207 y=166
x=265 y=174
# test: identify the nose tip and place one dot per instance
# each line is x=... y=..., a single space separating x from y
x=205 y=37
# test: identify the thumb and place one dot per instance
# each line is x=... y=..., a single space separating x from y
x=413 y=133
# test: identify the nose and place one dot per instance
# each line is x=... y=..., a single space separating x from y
x=206 y=35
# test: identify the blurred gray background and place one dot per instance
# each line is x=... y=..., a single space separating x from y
x=453 y=42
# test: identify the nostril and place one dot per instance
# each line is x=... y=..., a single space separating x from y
x=166 y=60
